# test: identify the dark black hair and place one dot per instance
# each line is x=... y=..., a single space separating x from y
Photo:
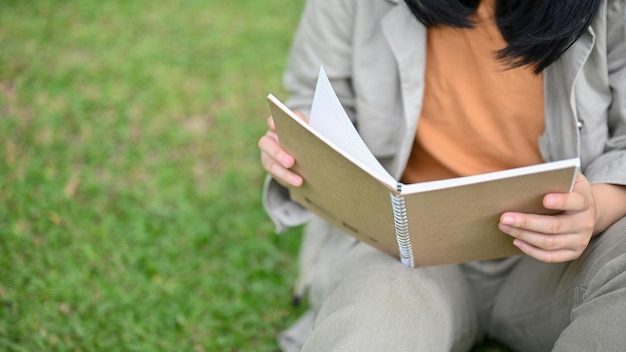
x=537 y=31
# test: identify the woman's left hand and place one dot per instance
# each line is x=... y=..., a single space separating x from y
x=555 y=238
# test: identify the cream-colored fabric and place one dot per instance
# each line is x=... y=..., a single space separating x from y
x=374 y=303
x=292 y=339
x=378 y=304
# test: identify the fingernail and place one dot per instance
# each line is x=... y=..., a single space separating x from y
x=296 y=181
x=507 y=220
x=550 y=201
x=287 y=161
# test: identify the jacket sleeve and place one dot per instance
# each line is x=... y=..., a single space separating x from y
x=283 y=211
x=610 y=167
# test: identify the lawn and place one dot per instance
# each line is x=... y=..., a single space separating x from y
x=130 y=210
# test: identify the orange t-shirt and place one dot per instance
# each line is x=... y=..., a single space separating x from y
x=478 y=116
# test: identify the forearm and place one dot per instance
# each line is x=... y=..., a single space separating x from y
x=610 y=202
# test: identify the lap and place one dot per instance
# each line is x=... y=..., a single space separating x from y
x=367 y=300
x=372 y=302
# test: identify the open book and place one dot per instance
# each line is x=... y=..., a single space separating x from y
x=429 y=223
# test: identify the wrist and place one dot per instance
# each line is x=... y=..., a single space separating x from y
x=610 y=204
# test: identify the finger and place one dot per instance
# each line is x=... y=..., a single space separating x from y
x=270 y=123
x=570 y=202
x=283 y=175
x=547 y=256
x=268 y=144
x=273 y=135
x=575 y=241
x=301 y=115
x=277 y=161
x=516 y=223
x=579 y=199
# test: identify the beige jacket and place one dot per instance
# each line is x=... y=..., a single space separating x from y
x=373 y=53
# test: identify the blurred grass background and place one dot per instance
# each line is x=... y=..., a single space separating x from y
x=130 y=211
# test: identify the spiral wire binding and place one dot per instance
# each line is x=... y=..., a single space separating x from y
x=401 y=222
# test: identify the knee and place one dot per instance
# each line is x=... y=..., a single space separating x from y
x=394 y=308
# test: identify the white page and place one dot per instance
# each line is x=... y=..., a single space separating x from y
x=330 y=119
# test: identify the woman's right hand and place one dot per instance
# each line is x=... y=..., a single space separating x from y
x=275 y=159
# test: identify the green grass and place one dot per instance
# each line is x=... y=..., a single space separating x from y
x=130 y=212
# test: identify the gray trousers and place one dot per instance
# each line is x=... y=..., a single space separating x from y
x=364 y=300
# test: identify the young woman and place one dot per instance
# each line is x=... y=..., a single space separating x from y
x=448 y=88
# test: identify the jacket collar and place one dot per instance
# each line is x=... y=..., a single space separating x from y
x=397 y=24
x=560 y=101
x=410 y=55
